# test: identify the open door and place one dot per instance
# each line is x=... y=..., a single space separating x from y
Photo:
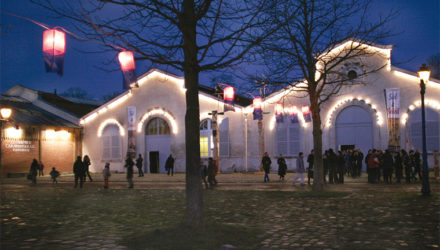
x=154 y=162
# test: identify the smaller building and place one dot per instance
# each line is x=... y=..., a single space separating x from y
x=43 y=126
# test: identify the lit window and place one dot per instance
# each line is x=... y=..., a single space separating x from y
x=204 y=146
x=157 y=126
x=111 y=143
x=288 y=137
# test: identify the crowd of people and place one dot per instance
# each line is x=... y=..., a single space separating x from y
x=382 y=166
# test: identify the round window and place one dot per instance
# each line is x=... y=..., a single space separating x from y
x=352 y=74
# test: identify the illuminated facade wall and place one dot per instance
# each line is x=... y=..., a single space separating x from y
x=163 y=95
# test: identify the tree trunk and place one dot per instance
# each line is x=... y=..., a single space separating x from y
x=318 y=178
x=194 y=191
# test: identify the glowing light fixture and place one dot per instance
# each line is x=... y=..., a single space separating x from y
x=13 y=132
x=54 y=42
x=6 y=113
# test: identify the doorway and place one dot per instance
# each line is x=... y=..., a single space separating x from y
x=346 y=147
x=154 y=161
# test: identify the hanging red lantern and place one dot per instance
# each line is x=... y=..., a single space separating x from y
x=279 y=110
x=126 y=60
x=258 y=111
x=293 y=113
x=54 y=42
x=228 y=94
x=228 y=98
x=54 y=47
x=257 y=102
x=306 y=113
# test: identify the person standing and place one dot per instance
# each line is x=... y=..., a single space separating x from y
x=129 y=163
x=398 y=166
x=86 y=162
x=211 y=173
x=417 y=165
x=436 y=165
x=282 y=167
x=310 y=161
x=407 y=163
x=299 y=169
x=169 y=165
x=360 y=157
x=40 y=169
x=139 y=165
x=266 y=166
x=204 y=173
x=54 y=174
x=332 y=165
x=340 y=167
x=387 y=166
x=106 y=173
x=78 y=170
x=33 y=171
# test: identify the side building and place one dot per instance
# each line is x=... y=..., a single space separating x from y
x=43 y=126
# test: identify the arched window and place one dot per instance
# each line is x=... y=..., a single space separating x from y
x=432 y=126
x=111 y=143
x=288 y=137
x=206 y=139
x=157 y=126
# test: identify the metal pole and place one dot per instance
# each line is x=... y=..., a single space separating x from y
x=425 y=183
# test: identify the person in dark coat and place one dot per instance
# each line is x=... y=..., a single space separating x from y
x=169 y=165
x=282 y=167
x=340 y=167
x=408 y=165
x=139 y=165
x=369 y=169
x=360 y=157
x=79 y=171
x=388 y=164
x=33 y=171
x=398 y=166
x=266 y=166
x=204 y=173
x=129 y=163
x=54 y=174
x=310 y=161
x=417 y=165
x=211 y=172
x=332 y=166
x=86 y=162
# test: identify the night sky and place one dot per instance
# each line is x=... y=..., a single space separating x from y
x=21 y=55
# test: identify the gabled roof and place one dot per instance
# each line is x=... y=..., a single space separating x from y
x=24 y=112
x=207 y=91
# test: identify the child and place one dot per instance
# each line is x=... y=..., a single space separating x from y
x=106 y=173
x=54 y=174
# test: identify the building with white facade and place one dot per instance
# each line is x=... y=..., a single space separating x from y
x=153 y=114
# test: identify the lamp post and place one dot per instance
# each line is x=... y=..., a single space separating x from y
x=424 y=77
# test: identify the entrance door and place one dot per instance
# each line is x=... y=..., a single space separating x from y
x=354 y=127
x=154 y=162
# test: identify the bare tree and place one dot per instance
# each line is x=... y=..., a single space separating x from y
x=190 y=36
x=302 y=53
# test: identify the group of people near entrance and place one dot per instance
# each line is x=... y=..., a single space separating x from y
x=37 y=168
x=381 y=166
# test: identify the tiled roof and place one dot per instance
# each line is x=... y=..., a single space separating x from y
x=77 y=109
x=24 y=112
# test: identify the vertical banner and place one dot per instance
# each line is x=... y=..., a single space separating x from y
x=131 y=131
x=392 y=99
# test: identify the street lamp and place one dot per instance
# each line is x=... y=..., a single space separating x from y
x=424 y=77
x=5 y=113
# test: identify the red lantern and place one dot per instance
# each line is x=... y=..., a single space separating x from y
x=279 y=109
x=228 y=94
x=293 y=110
x=257 y=102
x=54 y=42
x=305 y=110
x=126 y=59
x=306 y=113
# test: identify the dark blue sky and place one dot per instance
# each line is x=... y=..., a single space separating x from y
x=21 y=41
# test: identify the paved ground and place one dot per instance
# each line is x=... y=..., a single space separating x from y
x=356 y=215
